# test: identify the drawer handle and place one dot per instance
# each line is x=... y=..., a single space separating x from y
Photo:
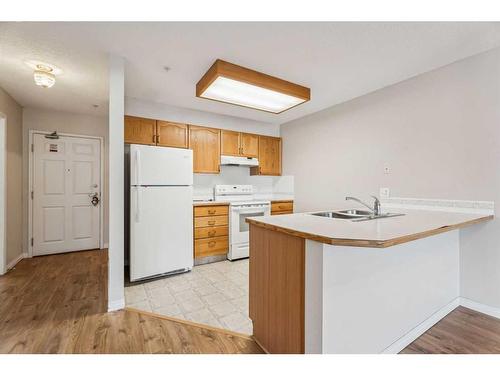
x=211 y=222
x=212 y=233
x=212 y=243
x=211 y=212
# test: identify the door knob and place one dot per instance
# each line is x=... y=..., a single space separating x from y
x=94 y=199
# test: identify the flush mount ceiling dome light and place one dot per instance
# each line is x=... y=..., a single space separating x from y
x=44 y=74
x=234 y=84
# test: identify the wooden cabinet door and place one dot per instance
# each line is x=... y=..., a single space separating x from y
x=205 y=143
x=171 y=134
x=230 y=142
x=140 y=130
x=249 y=144
x=269 y=156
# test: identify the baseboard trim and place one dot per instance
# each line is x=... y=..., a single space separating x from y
x=105 y=246
x=480 y=307
x=116 y=305
x=416 y=332
x=13 y=262
x=260 y=345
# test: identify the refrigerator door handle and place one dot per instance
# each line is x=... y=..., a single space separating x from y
x=137 y=167
x=138 y=205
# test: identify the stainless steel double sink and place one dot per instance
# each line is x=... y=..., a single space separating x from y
x=354 y=215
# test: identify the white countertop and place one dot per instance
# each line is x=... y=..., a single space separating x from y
x=372 y=233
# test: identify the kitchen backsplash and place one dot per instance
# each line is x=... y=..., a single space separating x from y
x=203 y=184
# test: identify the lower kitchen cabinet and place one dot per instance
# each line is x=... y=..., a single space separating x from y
x=211 y=232
x=281 y=207
x=211 y=246
x=210 y=221
x=208 y=232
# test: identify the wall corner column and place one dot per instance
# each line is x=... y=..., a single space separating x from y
x=116 y=299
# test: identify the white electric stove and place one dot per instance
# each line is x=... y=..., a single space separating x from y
x=241 y=206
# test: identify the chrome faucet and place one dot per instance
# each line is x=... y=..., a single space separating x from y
x=376 y=205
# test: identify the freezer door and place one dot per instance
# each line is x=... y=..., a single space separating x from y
x=161 y=230
x=151 y=165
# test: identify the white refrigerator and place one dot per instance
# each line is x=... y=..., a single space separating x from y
x=161 y=211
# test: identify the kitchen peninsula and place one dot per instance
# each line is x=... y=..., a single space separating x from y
x=324 y=285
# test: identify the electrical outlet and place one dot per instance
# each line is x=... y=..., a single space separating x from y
x=384 y=192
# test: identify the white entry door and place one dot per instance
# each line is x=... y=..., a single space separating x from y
x=66 y=194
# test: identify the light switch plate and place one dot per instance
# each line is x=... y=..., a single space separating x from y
x=384 y=192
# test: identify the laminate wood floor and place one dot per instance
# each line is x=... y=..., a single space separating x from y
x=58 y=303
x=463 y=331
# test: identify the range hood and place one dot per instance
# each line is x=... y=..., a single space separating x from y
x=239 y=160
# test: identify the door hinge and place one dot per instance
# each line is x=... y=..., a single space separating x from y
x=32 y=241
x=32 y=147
x=32 y=195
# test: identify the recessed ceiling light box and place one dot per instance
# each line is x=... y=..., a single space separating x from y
x=234 y=84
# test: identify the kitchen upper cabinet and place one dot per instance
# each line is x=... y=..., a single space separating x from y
x=205 y=143
x=140 y=130
x=230 y=143
x=171 y=134
x=239 y=144
x=269 y=157
x=249 y=145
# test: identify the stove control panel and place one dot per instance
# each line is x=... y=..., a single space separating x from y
x=233 y=190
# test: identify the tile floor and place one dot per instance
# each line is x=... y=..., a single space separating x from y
x=215 y=294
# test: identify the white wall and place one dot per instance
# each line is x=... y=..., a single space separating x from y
x=116 y=286
x=63 y=122
x=439 y=134
x=160 y=111
x=203 y=184
x=12 y=111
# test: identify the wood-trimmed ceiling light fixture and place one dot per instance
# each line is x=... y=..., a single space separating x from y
x=234 y=84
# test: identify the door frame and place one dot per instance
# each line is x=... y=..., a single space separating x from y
x=32 y=133
x=3 y=193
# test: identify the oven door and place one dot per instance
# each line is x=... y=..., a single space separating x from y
x=239 y=228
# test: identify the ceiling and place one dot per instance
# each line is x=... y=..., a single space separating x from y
x=338 y=61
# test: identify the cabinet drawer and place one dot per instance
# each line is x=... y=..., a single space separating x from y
x=208 y=232
x=209 y=247
x=210 y=211
x=210 y=221
x=281 y=206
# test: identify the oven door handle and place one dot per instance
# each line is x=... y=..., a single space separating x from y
x=250 y=210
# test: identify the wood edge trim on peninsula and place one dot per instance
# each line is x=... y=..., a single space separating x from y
x=369 y=243
x=194 y=324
